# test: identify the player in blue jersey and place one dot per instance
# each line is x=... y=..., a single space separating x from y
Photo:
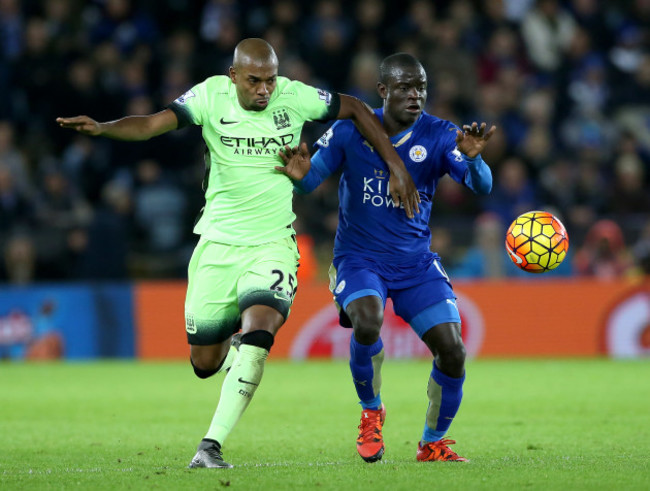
x=380 y=253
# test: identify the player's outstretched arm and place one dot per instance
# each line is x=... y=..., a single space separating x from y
x=131 y=128
x=402 y=187
x=472 y=140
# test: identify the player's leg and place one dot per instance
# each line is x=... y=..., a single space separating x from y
x=211 y=318
x=265 y=293
x=359 y=293
x=444 y=390
x=211 y=359
x=366 y=348
x=259 y=325
x=438 y=325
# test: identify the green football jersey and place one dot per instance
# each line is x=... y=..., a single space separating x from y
x=247 y=201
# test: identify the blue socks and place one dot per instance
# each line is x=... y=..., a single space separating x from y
x=365 y=365
x=445 y=394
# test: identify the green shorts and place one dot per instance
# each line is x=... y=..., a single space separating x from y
x=224 y=280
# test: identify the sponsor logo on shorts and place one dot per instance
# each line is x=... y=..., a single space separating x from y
x=340 y=287
x=280 y=297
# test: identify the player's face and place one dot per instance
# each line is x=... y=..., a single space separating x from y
x=255 y=82
x=404 y=94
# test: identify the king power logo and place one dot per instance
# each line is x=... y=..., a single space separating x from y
x=376 y=190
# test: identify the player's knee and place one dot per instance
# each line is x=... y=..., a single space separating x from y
x=367 y=333
x=451 y=360
x=201 y=371
x=366 y=324
x=259 y=338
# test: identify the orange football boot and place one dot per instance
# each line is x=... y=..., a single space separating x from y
x=370 y=443
x=439 y=451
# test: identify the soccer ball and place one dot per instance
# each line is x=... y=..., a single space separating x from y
x=537 y=242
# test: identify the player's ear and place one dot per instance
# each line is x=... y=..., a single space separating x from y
x=381 y=90
x=233 y=74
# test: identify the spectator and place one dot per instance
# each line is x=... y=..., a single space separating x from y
x=16 y=209
x=486 y=258
x=566 y=81
x=641 y=252
x=159 y=212
x=629 y=194
x=11 y=28
x=102 y=251
x=121 y=23
x=362 y=82
x=604 y=254
x=514 y=192
x=547 y=30
x=327 y=40
x=12 y=158
x=19 y=255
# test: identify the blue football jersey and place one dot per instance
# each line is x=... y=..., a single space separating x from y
x=370 y=225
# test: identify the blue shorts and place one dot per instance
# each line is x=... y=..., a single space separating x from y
x=423 y=302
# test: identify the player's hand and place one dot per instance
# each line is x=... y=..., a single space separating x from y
x=82 y=124
x=297 y=161
x=403 y=191
x=472 y=140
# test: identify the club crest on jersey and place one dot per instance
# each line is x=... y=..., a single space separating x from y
x=281 y=119
x=183 y=99
x=418 y=153
x=340 y=287
x=323 y=95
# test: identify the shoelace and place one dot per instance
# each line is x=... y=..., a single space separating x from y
x=213 y=452
x=442 y=445
x=368 y=426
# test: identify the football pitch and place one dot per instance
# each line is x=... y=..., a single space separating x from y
x=524 y=424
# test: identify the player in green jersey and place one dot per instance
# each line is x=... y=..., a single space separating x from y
x=242 y=274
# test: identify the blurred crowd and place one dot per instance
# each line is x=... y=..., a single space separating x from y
x=567 y=82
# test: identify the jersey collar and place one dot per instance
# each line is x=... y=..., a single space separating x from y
x=399 y=137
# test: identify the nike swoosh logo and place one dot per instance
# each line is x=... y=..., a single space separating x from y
x=223 y=121
x=246 y=382
x=275 y=295
x=517 y=259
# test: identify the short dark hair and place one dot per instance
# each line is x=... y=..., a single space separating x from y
x=397 y=60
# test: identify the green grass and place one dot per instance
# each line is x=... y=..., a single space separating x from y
x=578 y=424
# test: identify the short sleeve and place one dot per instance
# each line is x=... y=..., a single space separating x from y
x=189 y=106
x=317 y=104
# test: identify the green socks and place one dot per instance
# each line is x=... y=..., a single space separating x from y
x=228 y=361
x=237 y=390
